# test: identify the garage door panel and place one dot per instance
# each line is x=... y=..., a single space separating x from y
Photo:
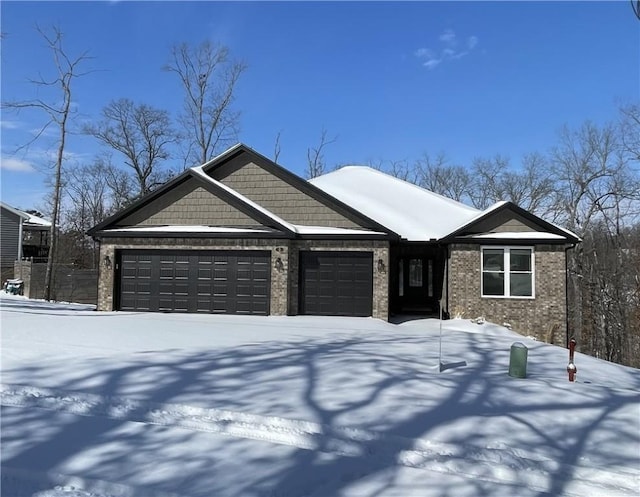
x=220 y=274
x=195 y=281
x=205 y=273
x=336 y=283
x=138 y=304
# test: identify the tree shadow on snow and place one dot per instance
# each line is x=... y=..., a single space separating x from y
x=388 y=386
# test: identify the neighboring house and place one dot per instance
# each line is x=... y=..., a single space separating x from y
x=35 y=238
x=24 y=236
x=242 y=235
x=11 y=225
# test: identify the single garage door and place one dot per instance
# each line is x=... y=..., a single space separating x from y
x=229 y=282
x=336 y=283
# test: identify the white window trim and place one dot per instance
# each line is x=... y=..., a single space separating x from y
x=507 y=273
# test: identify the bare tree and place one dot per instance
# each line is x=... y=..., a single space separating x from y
x=629 y=125
x=450 y=180
x=488 y=184
x=635 y=5
x=86 y=186
x=315 y=156
x=532 y=186
x=142 y=134
x=59 y=114
x=277 y=147
x=209 y=77
x=597 y=195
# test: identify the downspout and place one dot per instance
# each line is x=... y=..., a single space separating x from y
x=446 y=277
x=566 y=292
x=20 y=241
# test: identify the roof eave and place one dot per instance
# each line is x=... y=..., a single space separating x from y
x=15 y=211
x=106 y=234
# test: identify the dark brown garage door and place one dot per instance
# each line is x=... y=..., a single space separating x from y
x=336 y=283
x=229 y=282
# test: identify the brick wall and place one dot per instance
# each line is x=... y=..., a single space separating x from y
x=543 y=317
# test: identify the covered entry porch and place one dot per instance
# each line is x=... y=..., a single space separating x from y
x=416 y=278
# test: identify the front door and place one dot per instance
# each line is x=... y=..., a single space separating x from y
x=416 y=284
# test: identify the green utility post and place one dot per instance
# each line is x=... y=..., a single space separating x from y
x=518 y=360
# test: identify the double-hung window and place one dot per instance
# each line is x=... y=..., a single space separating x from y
x=508 y=272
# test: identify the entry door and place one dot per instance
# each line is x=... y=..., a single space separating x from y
x=416 y=283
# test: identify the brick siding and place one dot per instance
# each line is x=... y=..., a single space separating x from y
x=543 y=317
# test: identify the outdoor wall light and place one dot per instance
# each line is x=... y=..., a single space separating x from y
x=381 y=267
x=279 y=264
x=107 y=262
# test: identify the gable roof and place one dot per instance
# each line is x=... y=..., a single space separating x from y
x=262 y=215
x=29 y=220
x=15 y=211
x=413 y=212
x=551 y=231
x=383 y=205
x=306 y=187
x=215 y=187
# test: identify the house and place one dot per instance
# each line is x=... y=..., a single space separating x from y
x=242 y=235
x=24 y=235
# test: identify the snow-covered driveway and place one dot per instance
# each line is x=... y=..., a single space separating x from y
x=120 y=404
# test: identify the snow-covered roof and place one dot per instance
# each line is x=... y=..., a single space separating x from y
x=413 y=212
x=303 y=230
x=37 y=221
x=29 y=219
x=327 y=230
x=515 y=235
x=192 y=228
x=15 y=211
x=523 y=235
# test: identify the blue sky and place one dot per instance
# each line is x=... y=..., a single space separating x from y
x=391 y=80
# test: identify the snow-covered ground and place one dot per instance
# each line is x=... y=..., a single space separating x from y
x=128 y=404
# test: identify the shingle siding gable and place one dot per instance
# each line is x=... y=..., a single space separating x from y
x=505 y=221
x=188 y=204
x=282 y=199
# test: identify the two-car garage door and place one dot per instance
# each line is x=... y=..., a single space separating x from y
x=231 y=282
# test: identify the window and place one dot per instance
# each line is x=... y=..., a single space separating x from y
x=415 y=272
x=507 y=272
